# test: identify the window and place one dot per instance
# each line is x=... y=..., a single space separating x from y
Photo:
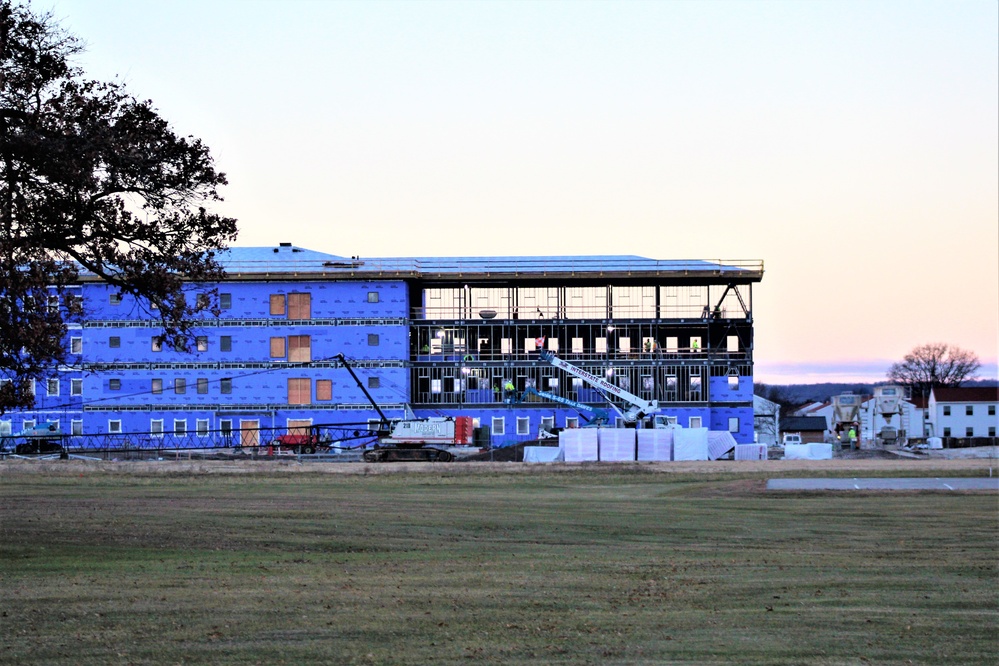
x=435 y=386
x=201 y=427
x=157 y=386
x=203 y=301
x=299 y=348
x=76 y=345
x=374 y=382
x=299 y=306
x=372 y=297
x=969 y=432
x=114 y=342
x=553 y=344
x=523 y=425
x=946 y=410
x=695 y=384
x=992 y=410
x=76 y=387
x=624 y=344
x=225 y=427
x=156 y=427
x=733 y=424
x=76 y=427
x=648 y=383
x=672 y=345
x=225 y=386
x=548 y=423
x=530 y=344
x=28 y=424
x=969 y=410
x=225 y=343
x=157 y=343
x=324 y=389
x=202 y=385
x=499 y=425
x=601 y=345
x=572 y=422
x=992 y=431
x=577 y=346
x=277 y=304
x=277 y=348
x=53 y=303
x=114 y=299
x=695 y=422
x=299 y=391
x=202 y=343
x=732 y=344
x=946 y=432
x=179 y=385
x=52 y=387
x=114 y=384
x=373 y=339
x=733 y=382
x=506 y=345
x=180 y=427
x=225 y=301
x=114 y=427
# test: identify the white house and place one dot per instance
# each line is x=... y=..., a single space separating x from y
x=969 y=411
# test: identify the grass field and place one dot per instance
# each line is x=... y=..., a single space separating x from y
x=595 y=566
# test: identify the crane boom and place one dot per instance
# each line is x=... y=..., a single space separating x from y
x=639 y=408
x=599 y=415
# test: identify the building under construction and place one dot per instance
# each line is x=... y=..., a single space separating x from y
x=443 y=336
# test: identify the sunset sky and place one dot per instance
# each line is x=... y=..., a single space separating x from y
x=851 y=146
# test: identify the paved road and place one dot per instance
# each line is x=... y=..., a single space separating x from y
x=922 y=483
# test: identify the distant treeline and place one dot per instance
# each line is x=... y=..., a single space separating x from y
x=802 y=393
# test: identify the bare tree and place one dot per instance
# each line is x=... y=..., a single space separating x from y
x=934 y=365
x=91 y=179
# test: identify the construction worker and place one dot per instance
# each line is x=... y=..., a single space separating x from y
x=510 y=391
x=852 y=434
x=695 y=346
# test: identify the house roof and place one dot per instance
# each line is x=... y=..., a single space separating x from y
x=287 y=258
x=803 y=424
x=967 y=394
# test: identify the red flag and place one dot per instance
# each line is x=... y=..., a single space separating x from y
x=539 y=342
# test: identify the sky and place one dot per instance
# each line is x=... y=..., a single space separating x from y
x=853 y=147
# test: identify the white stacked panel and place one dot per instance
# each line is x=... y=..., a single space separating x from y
x=720 y=442
x=820 y=451
x=796 y=452
x=807 y=451
x=542 y=453
x=750 y=451
x=655 y=444
x=579 y=444
x=617 y=444
x=690 y=444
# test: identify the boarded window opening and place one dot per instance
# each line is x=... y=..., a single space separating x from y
x=299 y=391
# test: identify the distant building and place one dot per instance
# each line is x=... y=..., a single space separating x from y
x=963 y=412
x=811 y=428
x=440 y=335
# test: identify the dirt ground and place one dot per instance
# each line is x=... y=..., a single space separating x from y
x=861 y=462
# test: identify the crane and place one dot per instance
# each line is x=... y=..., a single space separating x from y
x=638 y=408
x=599 y=416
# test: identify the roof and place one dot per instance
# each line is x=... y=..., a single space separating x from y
x=967 y=394
x=287 y=258
x=802 y=423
